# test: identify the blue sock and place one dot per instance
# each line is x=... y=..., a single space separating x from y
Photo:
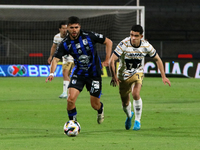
x=72 y=114
x=101 y=109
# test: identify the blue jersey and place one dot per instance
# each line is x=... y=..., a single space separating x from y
x=82 y=49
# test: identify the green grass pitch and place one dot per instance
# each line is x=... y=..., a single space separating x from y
x=32 y=117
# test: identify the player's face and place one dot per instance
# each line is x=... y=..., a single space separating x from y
x=135 y=38
x=74 y=30
x=63 y=30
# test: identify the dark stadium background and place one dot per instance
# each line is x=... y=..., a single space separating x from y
x=165 y=20
x=171 y=26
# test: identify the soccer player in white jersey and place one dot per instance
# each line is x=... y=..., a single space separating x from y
x=130 y=53
x=67 y=61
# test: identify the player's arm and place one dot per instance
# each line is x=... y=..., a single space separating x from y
x=108 y=44
x=161 y=68
x=53 y=66
x=53 y=49
x=112 y=68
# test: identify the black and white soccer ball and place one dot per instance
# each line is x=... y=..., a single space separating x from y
x=72 y=128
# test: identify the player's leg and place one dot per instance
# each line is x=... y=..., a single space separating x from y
x=124 y=90
x=71 y=100
x=75 y=87
x=137 y=101
x=97 y=105
x=95 y=86
x=66 y=81
x=67 y=67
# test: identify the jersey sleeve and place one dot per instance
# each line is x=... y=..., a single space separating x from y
x=120 y=48
x=60 y=51
x=56 y=39
x=97 y=38
x=150 y=50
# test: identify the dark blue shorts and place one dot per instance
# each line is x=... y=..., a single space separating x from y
x=93 y=84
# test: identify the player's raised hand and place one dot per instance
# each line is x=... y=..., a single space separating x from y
x=166 y=80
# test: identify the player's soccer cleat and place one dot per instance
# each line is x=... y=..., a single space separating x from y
x=136 y=125
x=63 y=95
x=100 y=117
x=128 y=121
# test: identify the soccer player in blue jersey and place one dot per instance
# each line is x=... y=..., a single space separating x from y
x=87 y=71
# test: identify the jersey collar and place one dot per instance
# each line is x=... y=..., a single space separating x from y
x=136 y=46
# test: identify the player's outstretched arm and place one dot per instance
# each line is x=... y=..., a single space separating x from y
x=53 y=49
x=108 y=44
x=52 y=69
x=161 y=68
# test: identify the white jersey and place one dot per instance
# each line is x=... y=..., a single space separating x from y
x=57 y=40
x=130 y=57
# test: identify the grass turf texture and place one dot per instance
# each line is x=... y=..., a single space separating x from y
x=32 y=117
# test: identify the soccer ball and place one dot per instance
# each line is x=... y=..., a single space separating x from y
x=72 y=128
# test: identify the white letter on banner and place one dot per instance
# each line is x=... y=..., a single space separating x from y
x=197 y=74
x=43 y=71
x=33 y=70
x=176 y=68
x=147 y=65
x=167 y=67
x=185 y=68
x=2 y=72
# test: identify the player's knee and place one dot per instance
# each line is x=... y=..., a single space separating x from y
x=136 y=96
x=71 y=101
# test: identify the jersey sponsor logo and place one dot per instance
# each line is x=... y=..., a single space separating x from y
x=74 y=81
x=95 y=87
x=78 y=45
x=134 y=54
x=99 y=35
x=84 y=62
x=85 y=42
x=95 y=84
x=120 y=44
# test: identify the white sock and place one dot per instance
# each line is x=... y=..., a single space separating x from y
x=65 y=86
x=137 y=106
x=127 y=110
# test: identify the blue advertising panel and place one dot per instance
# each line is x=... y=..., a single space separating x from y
x=186 y=67
x=28 y=71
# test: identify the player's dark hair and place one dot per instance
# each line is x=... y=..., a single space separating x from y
x=62 y=23
x=73 y=20
x=137 y=28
